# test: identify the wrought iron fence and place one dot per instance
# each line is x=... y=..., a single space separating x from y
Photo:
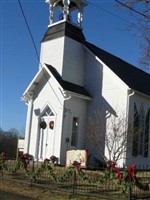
x=144 y=193
x=86 y=181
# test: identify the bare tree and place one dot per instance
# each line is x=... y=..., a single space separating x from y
x=8 y=142
x=140 y=10
x=108 y=136
x=22 y=132
x=119 y=138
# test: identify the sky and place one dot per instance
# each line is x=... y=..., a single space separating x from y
x=105 y=26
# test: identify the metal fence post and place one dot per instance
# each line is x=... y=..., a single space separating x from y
x=31 y=179
x=2 y=174
x=129 y=193
x=74 y=182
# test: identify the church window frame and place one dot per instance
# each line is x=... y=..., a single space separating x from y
x=135 y=140
x=141 y=128
x=47 y=111
x=146 y=133
x=75 y=130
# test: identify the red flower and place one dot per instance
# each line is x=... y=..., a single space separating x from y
x=86 y=150
x=3 y=156
x=119 y=174
x=77 y=164
x=131 y=172
x=112 y=165
x=25 y=159
x=119 y=177
x=26 y=155
x=113 y=168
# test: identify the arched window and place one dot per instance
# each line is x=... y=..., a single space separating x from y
x=146 y=134
x=135 y=140
x=141 y=130
x=75 y=126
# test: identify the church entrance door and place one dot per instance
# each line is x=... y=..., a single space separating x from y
x=46 y=140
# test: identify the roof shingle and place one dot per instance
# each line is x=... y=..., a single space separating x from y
x=67 y=85
x=135 y=78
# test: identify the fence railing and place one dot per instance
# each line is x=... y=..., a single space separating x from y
x=89 y=182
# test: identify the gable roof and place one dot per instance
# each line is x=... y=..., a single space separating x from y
x=67 y=85
x=135 y=78
x=64 y=84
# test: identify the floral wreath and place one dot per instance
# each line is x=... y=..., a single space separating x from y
x=51 y=124
x=43 y=124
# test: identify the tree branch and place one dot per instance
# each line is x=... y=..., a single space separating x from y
x=130 y=8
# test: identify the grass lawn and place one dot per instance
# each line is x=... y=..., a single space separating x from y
x=18 y=191
x=88 y=186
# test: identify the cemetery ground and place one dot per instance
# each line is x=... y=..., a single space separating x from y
x=11 y=190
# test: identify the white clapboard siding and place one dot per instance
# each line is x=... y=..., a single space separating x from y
x=44 y=95
x=52 y=53
x=74 y=107
x=73 y=62
x=142 y=103
x=109 y=93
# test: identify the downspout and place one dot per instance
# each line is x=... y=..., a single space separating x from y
x=130 y=93
x=64 y=93
x=28 y=122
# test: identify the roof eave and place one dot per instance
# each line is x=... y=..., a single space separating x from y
x=136 y=91
x=37 y=78
x=78 y=95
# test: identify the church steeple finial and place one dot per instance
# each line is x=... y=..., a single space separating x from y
x=67 y=7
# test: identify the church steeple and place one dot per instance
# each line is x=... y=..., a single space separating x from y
x=61 y=46
x=67 y=7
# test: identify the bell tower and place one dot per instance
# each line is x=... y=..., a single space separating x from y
x=68 y=8
x=62 y=44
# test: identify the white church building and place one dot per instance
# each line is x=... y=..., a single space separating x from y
x=75 y=80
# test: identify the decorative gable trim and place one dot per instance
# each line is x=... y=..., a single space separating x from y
x=67 y=87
